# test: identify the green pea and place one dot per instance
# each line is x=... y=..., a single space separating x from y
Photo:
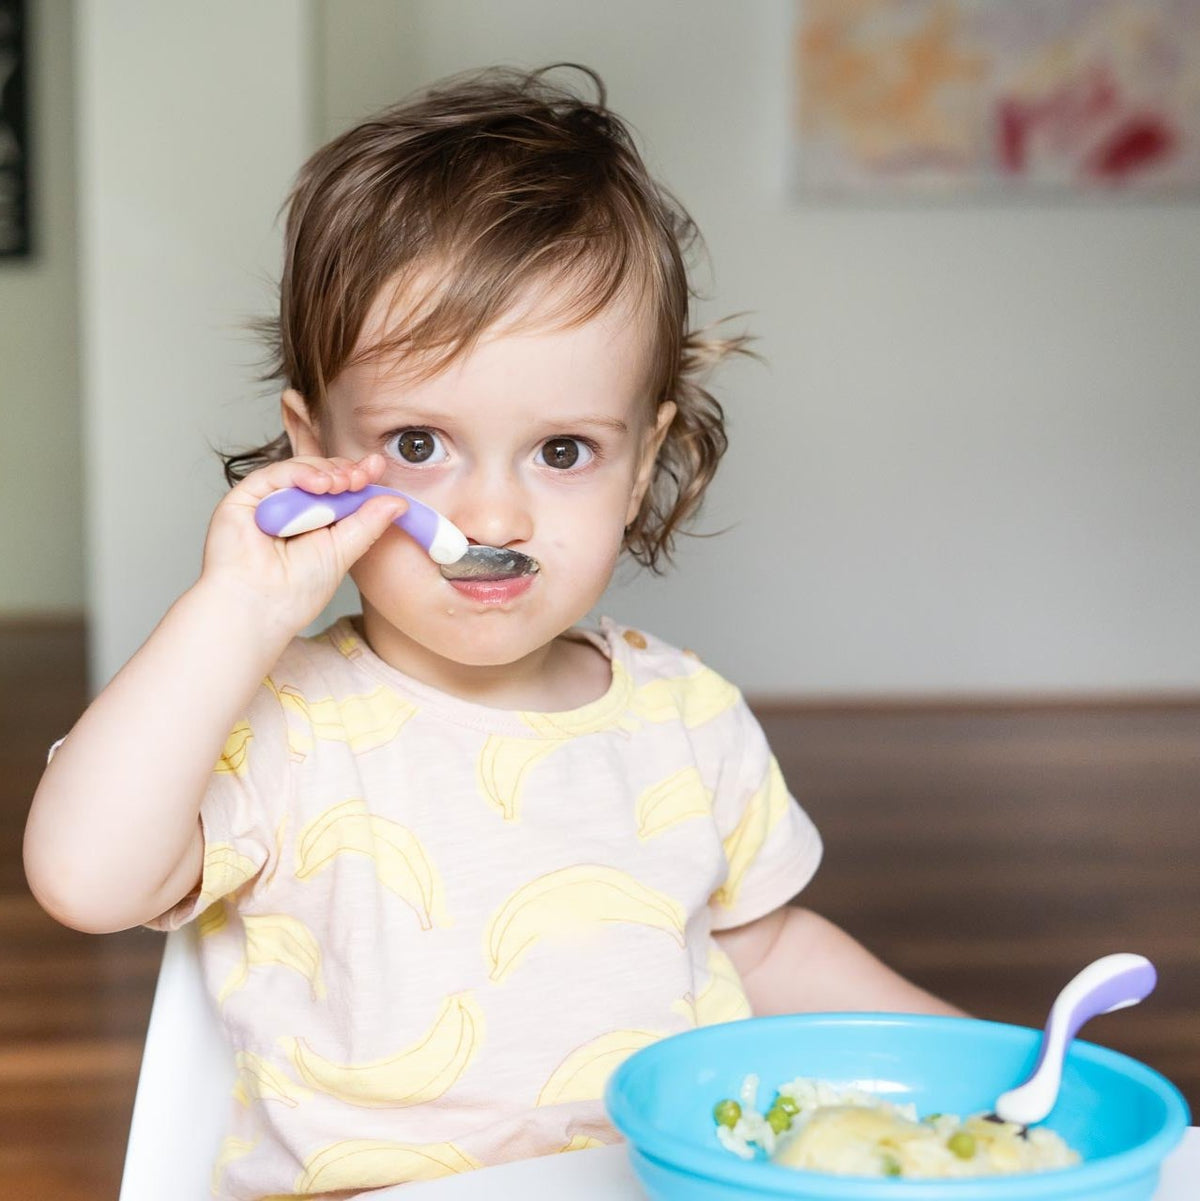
x=962 y=1144
x=787 y=1104
x=727 y=1112
x=891 y=1165
x=778 y=1119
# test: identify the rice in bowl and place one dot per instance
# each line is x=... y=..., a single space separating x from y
x=811 y=1124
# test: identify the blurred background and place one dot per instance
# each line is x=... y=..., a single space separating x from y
x=962 y=501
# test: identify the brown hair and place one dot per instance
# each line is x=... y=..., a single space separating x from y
x=485 y=185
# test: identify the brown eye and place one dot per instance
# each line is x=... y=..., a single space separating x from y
x=564 y=453
x=416 y=446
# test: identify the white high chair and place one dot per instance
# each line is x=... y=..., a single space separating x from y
x=183 y=1087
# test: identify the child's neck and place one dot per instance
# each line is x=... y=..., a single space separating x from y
x=565 y=674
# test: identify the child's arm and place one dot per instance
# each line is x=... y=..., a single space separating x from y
x=113 y=837
x=793 y=961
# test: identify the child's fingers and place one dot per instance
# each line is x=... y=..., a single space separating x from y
x=312 y=474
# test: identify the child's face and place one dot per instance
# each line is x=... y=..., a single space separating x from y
x=539 y=439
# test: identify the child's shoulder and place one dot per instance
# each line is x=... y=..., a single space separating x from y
x=648 y=657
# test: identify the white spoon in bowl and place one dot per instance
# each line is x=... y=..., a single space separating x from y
x=1109 y=983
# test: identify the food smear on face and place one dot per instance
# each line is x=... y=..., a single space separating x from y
x=813 y=1125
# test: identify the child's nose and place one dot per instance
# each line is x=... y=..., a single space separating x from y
x=493 y=509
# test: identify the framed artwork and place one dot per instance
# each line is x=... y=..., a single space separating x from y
x=996 y=98
x=15 y=241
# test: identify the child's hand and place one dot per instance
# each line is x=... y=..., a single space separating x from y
x=290 y=580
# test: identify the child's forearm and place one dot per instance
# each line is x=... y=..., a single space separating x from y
x=793 y=960
x=113 y=833
x=113 y=837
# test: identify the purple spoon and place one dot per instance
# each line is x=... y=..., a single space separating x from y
x=1112 y=982
x=292 y=511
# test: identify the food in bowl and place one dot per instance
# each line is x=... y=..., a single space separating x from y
x=815 y=1125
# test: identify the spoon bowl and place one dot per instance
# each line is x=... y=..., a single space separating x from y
x=490 y=563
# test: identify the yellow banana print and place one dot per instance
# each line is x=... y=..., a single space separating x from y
x=722 y=999
x=214 y=918
x=685 y=1007
x=580 y=1142
x=225 y=871
x=231 y=1149
x=236 y=750
x=280 y=939
x=503 y=764
x=563 y=900
x=259 y=1080
x=363 y=1163
x=584 y=1073
x=670 y=801
x=762 y=813
x=694 y=699
x=419 y=1073
x=345 y=641
x=280 y=837
x=590 y=718
x=364 y=721
x=400 y=860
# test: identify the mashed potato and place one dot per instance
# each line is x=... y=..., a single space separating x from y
x=811 y=1124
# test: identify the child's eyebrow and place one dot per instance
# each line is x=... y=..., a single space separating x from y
x=420 y=420
x=608 y=423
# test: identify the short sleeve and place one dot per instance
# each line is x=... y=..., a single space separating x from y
x=772 y=848
x=242 y=812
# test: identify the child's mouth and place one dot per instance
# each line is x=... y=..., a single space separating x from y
x=495 y=591
x=491 y=575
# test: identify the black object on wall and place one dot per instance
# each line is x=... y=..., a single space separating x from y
x=15 y=182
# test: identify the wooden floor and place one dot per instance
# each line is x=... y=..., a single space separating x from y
x=988 y=853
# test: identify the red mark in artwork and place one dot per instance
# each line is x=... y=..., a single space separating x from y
x=1063 y=118
x=1139 y=143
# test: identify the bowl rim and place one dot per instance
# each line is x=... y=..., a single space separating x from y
x=672 y=1152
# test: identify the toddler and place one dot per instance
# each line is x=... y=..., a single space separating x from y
x=459 y=855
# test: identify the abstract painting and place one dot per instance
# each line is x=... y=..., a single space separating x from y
x=949 y=98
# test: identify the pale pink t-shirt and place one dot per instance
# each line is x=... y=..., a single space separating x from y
x=433 y=929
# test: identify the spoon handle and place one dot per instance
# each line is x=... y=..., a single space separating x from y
x=1107 y=984
x=291 y=511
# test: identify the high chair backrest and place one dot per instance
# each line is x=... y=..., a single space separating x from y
x=184 y=1085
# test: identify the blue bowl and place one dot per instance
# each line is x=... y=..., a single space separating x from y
x=1121 y=1116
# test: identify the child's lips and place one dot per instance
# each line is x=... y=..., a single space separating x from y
x=494 y=591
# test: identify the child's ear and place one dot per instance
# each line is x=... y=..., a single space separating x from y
x=298 y=424
x=650 y=448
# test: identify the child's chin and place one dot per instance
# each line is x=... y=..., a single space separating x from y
x=501 y=653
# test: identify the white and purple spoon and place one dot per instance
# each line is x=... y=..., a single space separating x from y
x=1112 y=982
x=292 y=511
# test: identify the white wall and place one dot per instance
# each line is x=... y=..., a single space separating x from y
x=973 y=464
x=367 y=54
x=970 y=467
x=41 y=538
x=192 y=122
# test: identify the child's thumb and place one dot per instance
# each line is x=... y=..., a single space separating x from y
x=356 y=534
